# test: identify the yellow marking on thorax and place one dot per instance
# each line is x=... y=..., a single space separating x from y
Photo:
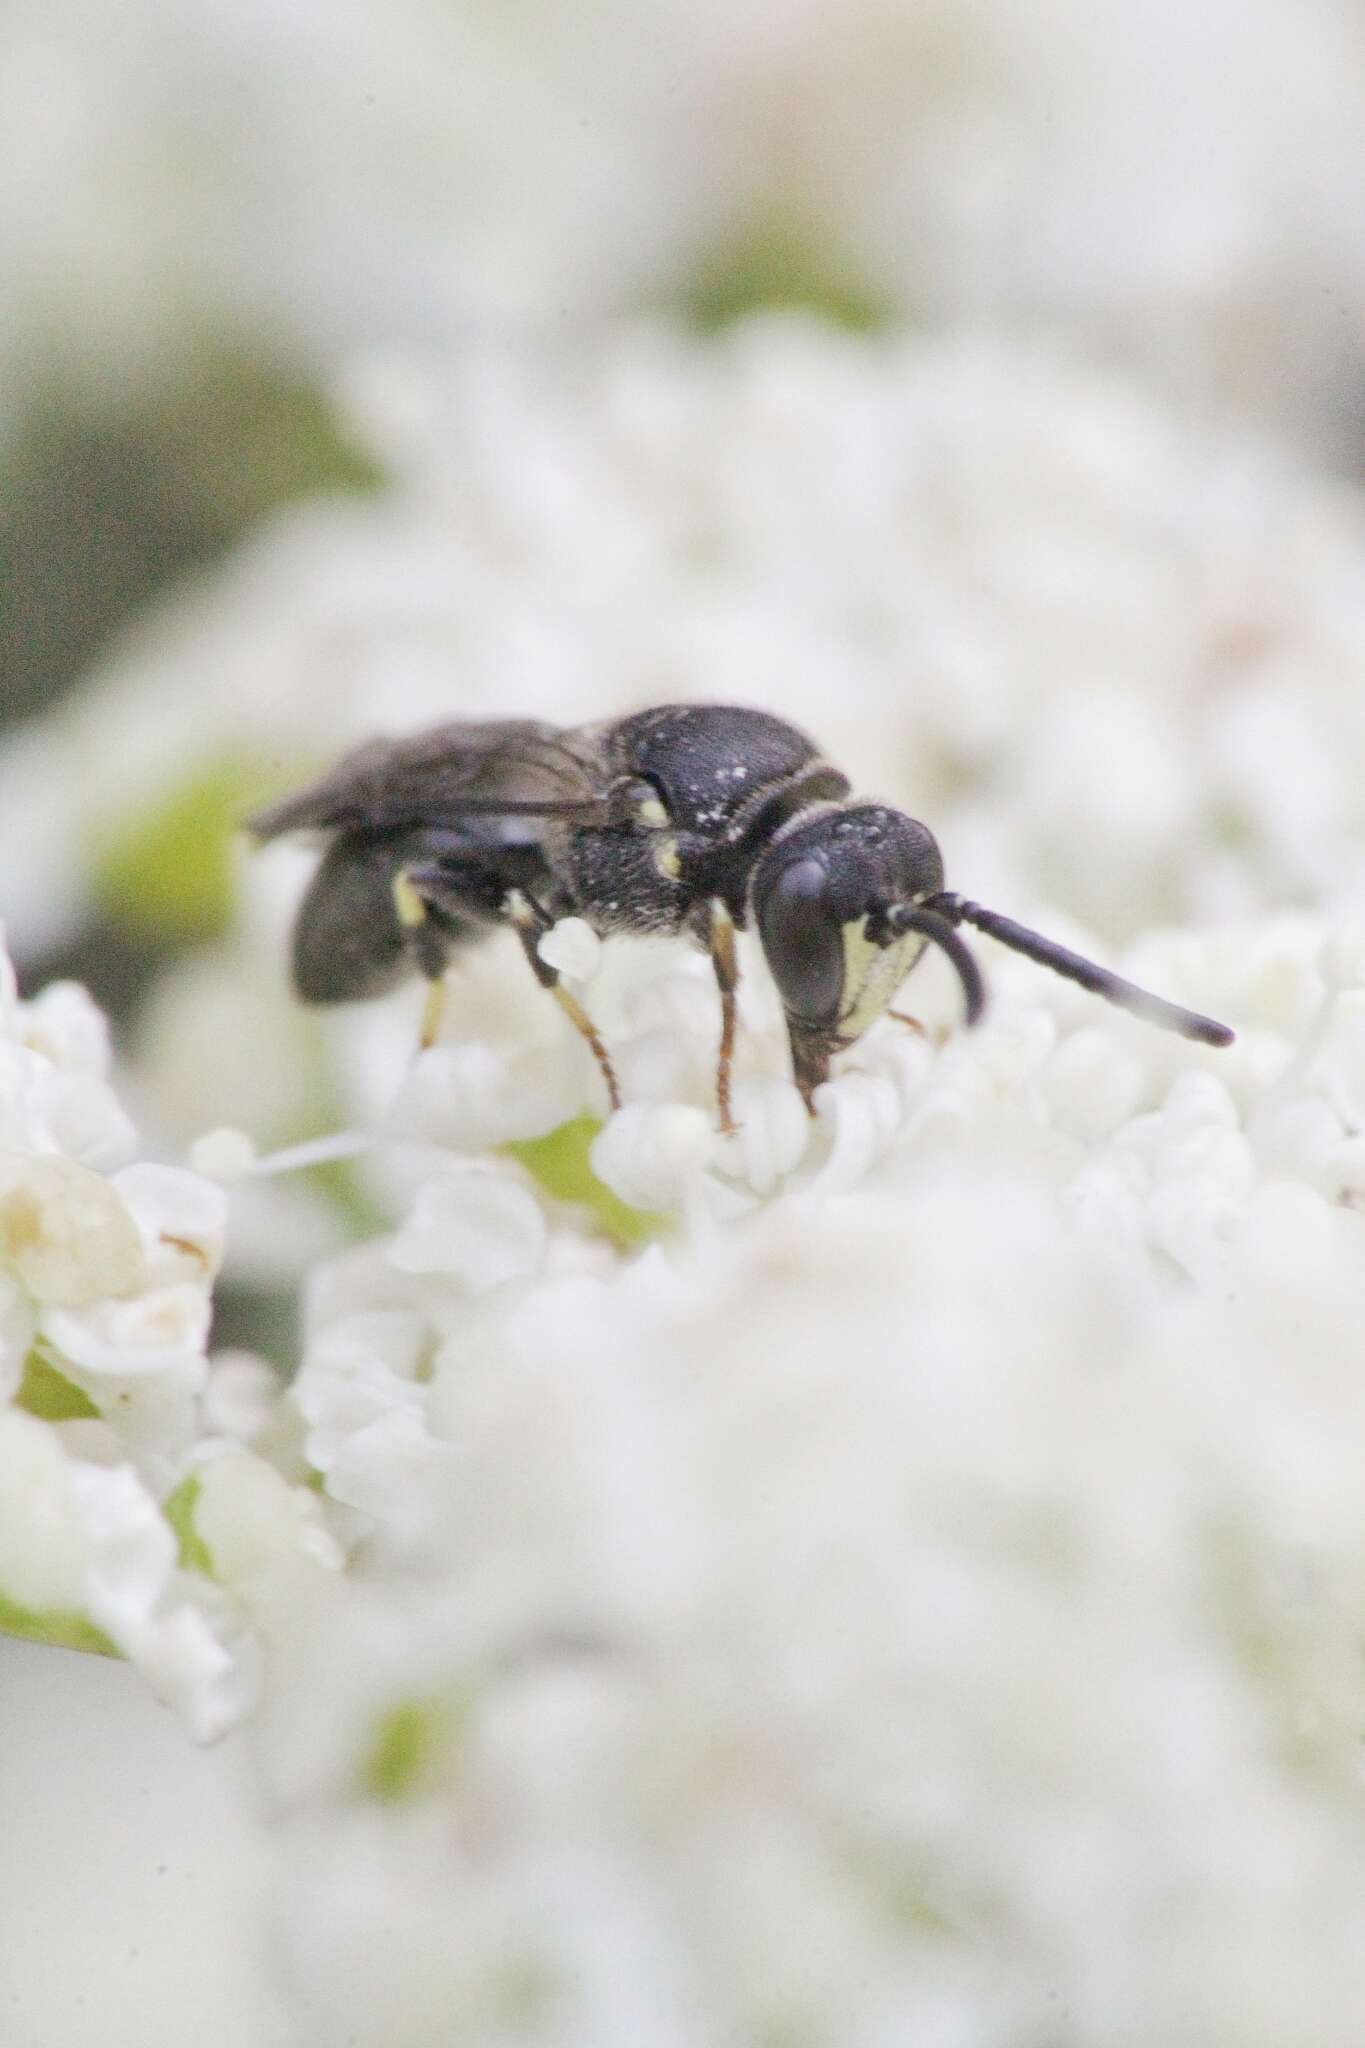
x=666 y=858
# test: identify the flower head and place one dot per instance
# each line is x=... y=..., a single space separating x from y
x=923 y=1585
x=106 y=1276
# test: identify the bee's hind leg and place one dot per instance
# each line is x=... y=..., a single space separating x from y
x=431 y=948
x=439 y=909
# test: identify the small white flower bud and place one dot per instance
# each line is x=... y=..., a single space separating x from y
x=572 y=947
x=68 y=1237
x=1343 y=1058
x=79 y=1116
x=773 y=1131
x=1208 y=1155
x=1301 y=1138
x=649 y=1155
x=182 y=1217
x=225 y=1155
x=1199 y=1098
x=1092 y=1083
x=241 y=1394
x=863 y=1112
x=263 y=1534
x=66 y=1026
x=478 y=1228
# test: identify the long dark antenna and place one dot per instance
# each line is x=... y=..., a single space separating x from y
x=917 y=917
x=1114 y=989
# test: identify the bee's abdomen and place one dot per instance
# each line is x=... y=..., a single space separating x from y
x=348 y=941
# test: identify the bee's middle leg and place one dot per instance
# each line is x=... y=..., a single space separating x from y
x=719 y=938
x=530 y=923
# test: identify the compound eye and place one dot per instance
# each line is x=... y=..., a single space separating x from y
x=802 y=942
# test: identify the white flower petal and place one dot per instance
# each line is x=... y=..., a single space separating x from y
x=573 y=947
x=651 y=1156
x=69 y=1239
x=241 y=1394
x=182 y=1217
x=863 y=1114
x=1344 y=1058
x=78 y=1115
x=266 y=1537
x=18 y=1324
x=477 y=1228
x=43 y=1544
x=161 y=1332
x=65 y=1024
x=470 y=1096
x=1092 y=1084
x=773 y=1133
x=393 y=1469
x=183 y=1636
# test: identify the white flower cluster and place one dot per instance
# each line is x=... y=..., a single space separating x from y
x=133 y=1517
x=917 y=1599
x=892 y=1576
x=323 y=179
x=1011 y=593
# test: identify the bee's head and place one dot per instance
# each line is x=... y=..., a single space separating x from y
x=845 y=902
x=838 y=899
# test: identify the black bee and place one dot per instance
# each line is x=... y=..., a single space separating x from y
x=689 y=818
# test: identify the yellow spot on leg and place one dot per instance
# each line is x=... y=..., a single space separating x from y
x=406 y=901
x=432 y=1012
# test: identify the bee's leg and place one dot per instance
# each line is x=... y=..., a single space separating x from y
x=433 y=1010
x=530 y=923
x=940 y=1034
x=431 y=950
x=720 y=943
x=812 y=1051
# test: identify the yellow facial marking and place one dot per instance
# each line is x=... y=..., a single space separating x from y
x=872 y=974
x=666 y=859
x=651 y=813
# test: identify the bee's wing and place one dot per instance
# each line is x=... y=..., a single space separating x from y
x=518 y=767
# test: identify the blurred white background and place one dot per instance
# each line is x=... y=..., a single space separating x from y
x=323 y=405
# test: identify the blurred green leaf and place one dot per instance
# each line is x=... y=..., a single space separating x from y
x=101 y=509
x=561 y=1162
x=774 y=267
x=63 y=1631
x=178 y=1508
x=48 y=1394
x=168 y=872
x=410 y=1739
